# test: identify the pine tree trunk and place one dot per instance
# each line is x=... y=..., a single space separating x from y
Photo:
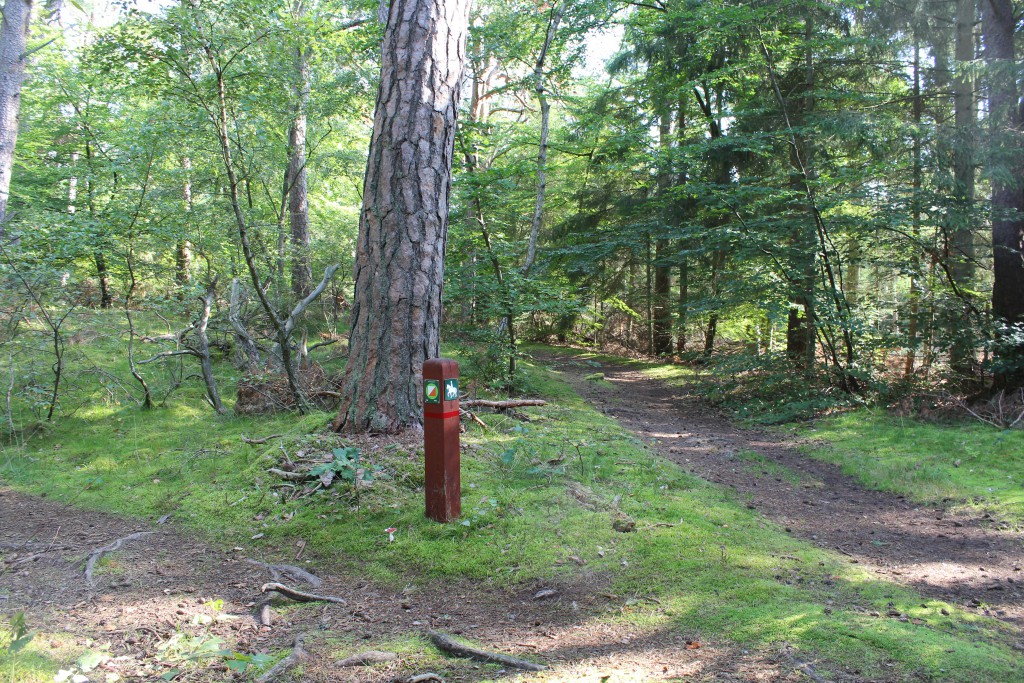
x=396 y=311
x=1006 y=171
x=14 y=32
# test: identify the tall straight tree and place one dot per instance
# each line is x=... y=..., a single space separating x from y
x=396 y=311
x=13 y=37
x=998 y=24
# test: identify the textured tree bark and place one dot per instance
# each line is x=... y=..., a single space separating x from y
x=1006 y=171
x=396 y=311
x=13 y=36
x=298 y=205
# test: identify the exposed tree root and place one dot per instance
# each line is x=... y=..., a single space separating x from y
x=294 y=573
x=265 y=616
x=367 y=658
x=299 y=596
x=289 y=476
x=282 y=667
x=95 y=555
x=447 y=644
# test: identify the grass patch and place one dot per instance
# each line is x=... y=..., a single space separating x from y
x=930 y=463
x=768 y=468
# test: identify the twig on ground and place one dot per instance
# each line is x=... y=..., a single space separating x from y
x=95 y=555
x=298 y=654
x=260 y=442
x=367 y=658
x=423 y=678
x=447 y=644
x=300 y=596
x=292 y=572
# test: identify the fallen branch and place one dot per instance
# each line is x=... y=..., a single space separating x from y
x=473 y=417
x=299 y=596
x=367 y=658
x=424 y=678
x=95 y=555
x=260 y=442
x=289 y=476
x=502 y=405
x=449 y=645
x=292 y=572
x=282 y=667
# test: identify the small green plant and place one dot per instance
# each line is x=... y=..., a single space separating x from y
x=345 y=466
x=20 y=637
x=89 y=660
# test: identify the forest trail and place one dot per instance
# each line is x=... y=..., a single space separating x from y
x=954 y=557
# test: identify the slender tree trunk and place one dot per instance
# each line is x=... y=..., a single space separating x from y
x=396 y=311
x=106 y=299
x=298 y=204
x=915 y=210
x=1007 y=194
x=961 y=240
x=540 y=88
x=183 y=250
x=662 y=269
x=14 y=31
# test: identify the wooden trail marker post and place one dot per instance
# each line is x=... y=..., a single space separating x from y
x=441 y=438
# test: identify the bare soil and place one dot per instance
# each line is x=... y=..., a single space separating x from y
x=961 y=558
x=156 y=592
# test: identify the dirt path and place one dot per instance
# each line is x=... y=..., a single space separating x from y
x=956 y=558
x=161 y=596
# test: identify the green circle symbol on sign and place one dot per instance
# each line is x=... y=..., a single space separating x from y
x=432 y=391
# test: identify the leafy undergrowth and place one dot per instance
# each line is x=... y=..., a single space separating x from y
x=972 y=464
x=568 y=497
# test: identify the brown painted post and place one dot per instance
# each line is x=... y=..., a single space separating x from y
x=441 y=438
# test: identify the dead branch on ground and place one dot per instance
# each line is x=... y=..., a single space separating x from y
x=502 y=405
x=259 y=442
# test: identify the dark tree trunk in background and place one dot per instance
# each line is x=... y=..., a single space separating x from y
x=396 y=311
x=13 y=36
x=662 y=269
x=1006 y=170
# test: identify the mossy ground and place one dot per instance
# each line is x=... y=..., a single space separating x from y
x=540 y=500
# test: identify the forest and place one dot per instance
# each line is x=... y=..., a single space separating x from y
x=736 y=288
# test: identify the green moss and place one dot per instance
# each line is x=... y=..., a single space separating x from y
x=929 y=463
x=540 y=503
